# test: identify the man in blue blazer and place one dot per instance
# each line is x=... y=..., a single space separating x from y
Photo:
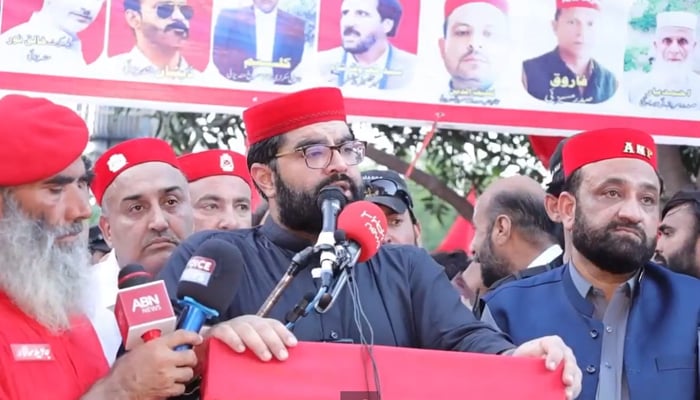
x=633 y=325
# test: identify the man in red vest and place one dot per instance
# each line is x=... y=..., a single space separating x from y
x=49 y=348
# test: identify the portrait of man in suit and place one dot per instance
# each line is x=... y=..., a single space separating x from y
x=260 y=42
x=366 y=58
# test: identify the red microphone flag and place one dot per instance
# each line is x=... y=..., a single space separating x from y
x=365 y=224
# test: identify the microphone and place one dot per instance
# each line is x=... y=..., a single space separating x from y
x=364 y=226
x=299 y=262
x=330 y=200
x=143 y=310
x=208 y=284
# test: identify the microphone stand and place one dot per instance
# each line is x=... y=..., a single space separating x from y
x=299 y=262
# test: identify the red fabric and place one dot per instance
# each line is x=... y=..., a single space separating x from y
x=405 y=373
x=544 y=146
x=203 y=164
x=39 y=139
x=78 y=361
x=604 y=144
x=561 y=4
x=450 y=5
x=285 y=113
x=128 y=154
x=461 y=234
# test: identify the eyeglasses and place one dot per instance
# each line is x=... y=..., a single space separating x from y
x=319 y=156
x=387 y=187
x=166 y=10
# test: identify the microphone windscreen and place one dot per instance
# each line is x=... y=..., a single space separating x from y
x=212 y=275
x=365 y=224
x=133 y=275
x=331 y=193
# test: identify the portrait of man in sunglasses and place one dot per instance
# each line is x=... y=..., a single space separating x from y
x=48 y=42
x=389 y=191
x=161 y=29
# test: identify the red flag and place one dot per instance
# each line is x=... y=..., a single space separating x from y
x=544 y=146
x=460 y=235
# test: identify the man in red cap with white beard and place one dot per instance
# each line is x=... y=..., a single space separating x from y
x=299 y=144
x=569 y=74
x=146 y=210
x=48 y=347
x=633 y=325
x=220 y=189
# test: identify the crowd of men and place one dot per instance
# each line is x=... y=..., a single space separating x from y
x=563 y=273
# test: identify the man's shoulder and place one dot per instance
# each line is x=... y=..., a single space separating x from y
x=233 y=236
x=290 y=18
x=331 y=55
x=404 y=56
x=683 y=285
x=545 y=57
x=539 y=280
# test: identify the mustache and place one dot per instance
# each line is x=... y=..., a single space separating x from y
x=158 y=238
x=337 y=178
x=178 y=25
x=634 y=227
x=350 y=31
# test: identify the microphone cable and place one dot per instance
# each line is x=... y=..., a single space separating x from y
x=359 y=317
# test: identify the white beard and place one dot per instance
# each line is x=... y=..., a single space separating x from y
x=672 y=74
x=45 y=279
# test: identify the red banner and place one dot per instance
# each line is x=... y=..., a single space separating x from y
x=507 y=66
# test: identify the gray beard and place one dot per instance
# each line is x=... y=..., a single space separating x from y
x=45 y=279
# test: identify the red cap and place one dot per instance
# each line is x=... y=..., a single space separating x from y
x=128 y=154
x=561 y=4
x=200 y=165
x=605 y=144
x=39 y=139
x=364 y=223
x=292 y=111
x=450 y=5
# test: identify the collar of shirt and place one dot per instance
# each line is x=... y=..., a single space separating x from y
x=380 y=64
x=138 y=62
x=546 y=256
x=584 y=287
x=282 y=237
x=50 y=31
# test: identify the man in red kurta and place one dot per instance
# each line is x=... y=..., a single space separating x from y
x=48 y=348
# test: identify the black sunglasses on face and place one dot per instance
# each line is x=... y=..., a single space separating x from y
x=387 y=187
x=166 y=10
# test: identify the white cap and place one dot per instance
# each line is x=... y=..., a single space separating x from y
x=681 y=19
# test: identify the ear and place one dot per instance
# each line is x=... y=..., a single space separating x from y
x=416 y=233
x=106 y=229
x=551 y=205
x=441 y=46
x=388 y=25
x=133 y=18
x=567 y=209
x=502 y=229
x=554 y=26
x=263 y=176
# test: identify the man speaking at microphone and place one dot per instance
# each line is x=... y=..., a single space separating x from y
x=299 y=144
x=48 y=347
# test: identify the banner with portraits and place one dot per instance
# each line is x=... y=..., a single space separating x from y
x=547 y=67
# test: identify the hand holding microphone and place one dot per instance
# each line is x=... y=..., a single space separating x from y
x=143 y=310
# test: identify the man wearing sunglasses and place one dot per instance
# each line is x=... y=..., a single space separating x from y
x=48 y=42
x=298 y=144
x=388 y=190
x=162 y=30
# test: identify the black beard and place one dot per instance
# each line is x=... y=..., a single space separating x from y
x=298 y=210
x=613 y=253
x=493 y=267
x=682 y=261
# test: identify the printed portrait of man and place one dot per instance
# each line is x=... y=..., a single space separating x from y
x=49 y=40
x=161 y=30
x=258 y=43
x=366 y=58
x=474 y=49
x=671 y=84
x=569 y=73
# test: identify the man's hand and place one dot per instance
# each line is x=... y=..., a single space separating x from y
x=263 y=336
x=150 y=370
x=553 y=350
